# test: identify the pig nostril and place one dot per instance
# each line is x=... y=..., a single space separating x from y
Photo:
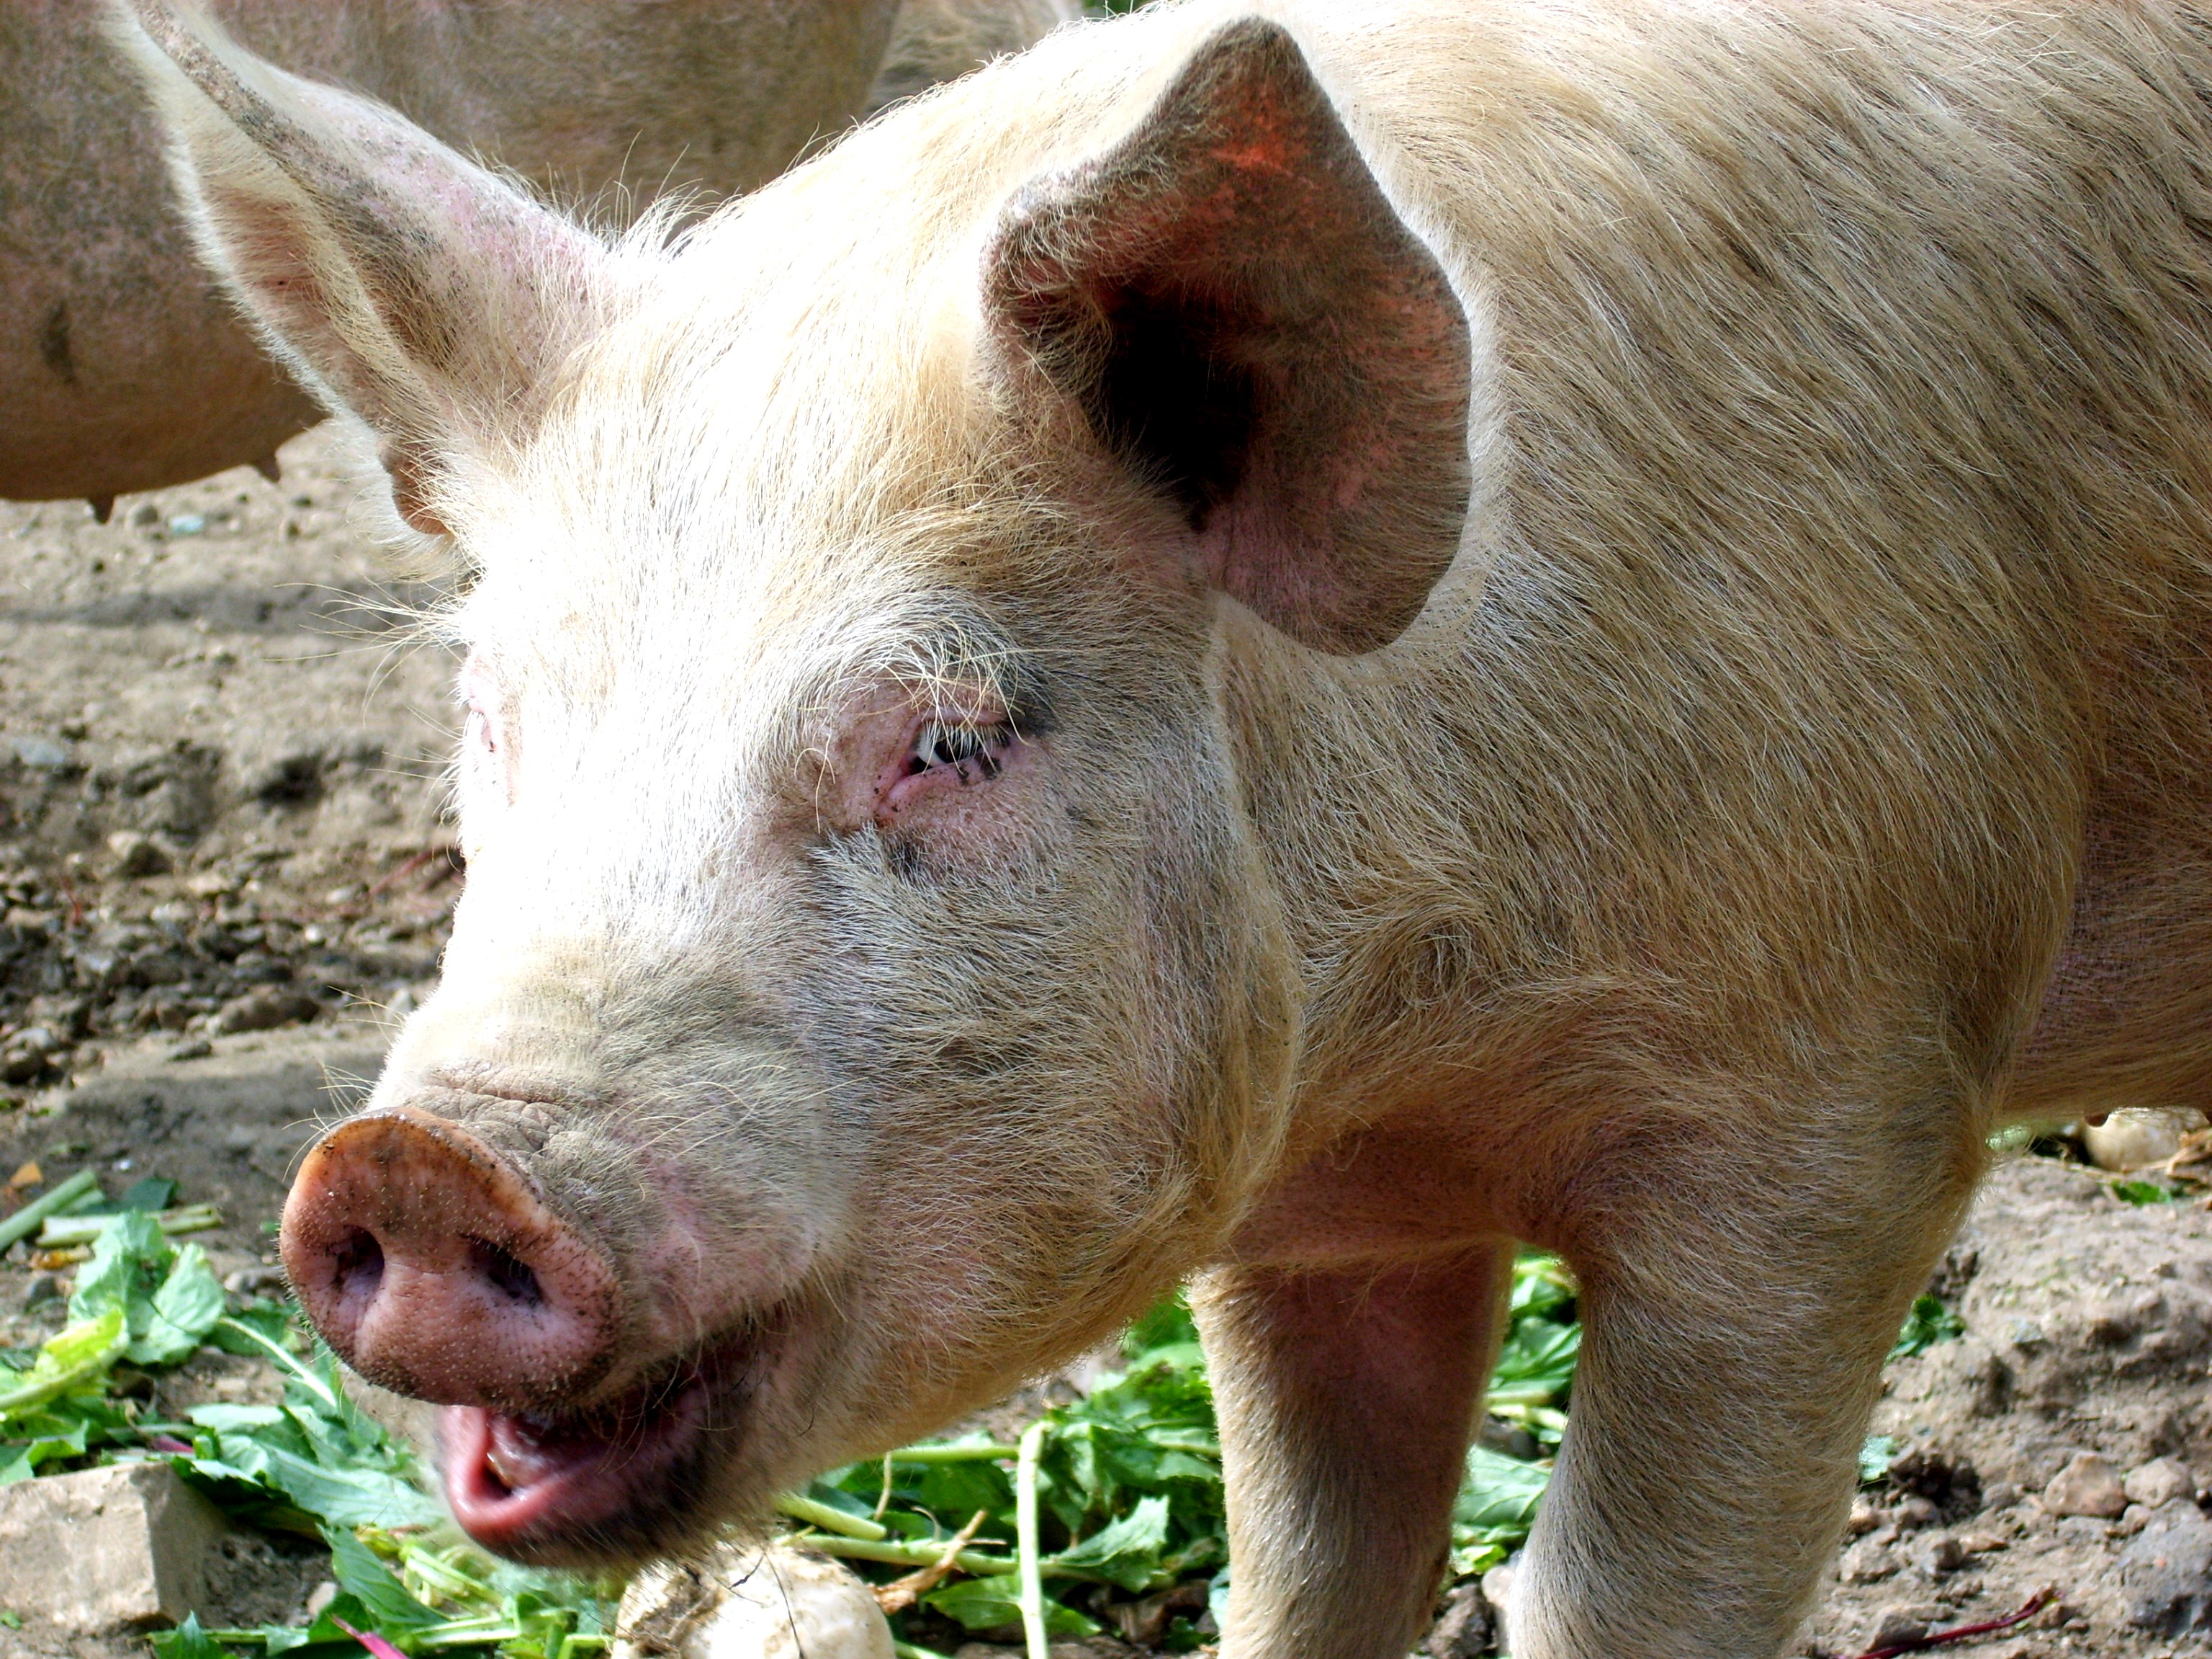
x=357 y=1264
x=513 y=1278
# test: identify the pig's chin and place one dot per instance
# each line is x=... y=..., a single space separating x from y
x=586 y=1490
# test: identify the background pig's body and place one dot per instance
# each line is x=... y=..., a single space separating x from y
x=912 y=916
x=123 y=369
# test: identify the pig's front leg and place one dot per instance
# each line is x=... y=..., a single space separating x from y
x=1346 y=1399
x=1732 y=1351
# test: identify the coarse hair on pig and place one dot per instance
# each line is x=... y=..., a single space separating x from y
x=1285 y=643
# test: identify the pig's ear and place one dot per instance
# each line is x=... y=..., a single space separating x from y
x=397 y=280
x=1248 y=325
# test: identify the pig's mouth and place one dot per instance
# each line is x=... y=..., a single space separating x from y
x=611 y=1483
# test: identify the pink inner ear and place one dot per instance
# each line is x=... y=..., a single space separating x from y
x=1247 y=324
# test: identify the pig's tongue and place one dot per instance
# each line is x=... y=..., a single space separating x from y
x=519 y=1484
x=524 y=1455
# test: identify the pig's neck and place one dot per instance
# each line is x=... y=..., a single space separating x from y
x=1455 y=877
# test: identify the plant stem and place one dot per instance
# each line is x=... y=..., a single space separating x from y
x=63 y=1231
x=908 y=1650
x=903 y=1555
x=26 y=1221
x=1026 y=1538
x=953 y=1453
x=477 y=1633
x=286 y=1359
x=904 y=1592
x=831 y=1520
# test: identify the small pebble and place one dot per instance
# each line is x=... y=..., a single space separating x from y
x=2160 y=1481
x=2090 y=1484
x=1901 y=1622
x=1941 y=1554
x=1918 y=1512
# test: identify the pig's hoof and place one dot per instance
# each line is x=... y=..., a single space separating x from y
x=746 y=1602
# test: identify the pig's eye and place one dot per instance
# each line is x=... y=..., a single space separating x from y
x=974 y=754
x=477 y=730
x=488 y=746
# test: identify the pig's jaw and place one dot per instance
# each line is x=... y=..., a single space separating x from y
x=553 y=1492
x=620 y=1482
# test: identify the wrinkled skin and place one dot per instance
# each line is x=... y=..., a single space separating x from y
x=123 y=368
x=1285 y=651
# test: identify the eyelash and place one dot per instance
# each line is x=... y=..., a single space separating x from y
x=960 y=746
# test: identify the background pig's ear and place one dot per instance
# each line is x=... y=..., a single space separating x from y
x=1246 y=323
x=399 y=281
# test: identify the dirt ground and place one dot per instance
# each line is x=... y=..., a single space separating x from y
x=223 y=869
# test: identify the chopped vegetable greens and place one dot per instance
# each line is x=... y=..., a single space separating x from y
x=1129 y=1483
x=1126 y=1480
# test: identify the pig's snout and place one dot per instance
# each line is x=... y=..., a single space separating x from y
x=429 y=1264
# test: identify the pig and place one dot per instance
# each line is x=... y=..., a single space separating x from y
x=123 y=369
x=1278 y=645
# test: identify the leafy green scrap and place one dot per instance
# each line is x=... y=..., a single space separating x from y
x=168 y=1296
x=2147 y=1192
x=1928 y=1323
x=991 y=1604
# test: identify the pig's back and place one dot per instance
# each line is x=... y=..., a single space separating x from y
x=1853 y=370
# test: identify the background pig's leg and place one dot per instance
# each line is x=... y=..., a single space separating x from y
x=1737 y=1302
x=1346 y=1402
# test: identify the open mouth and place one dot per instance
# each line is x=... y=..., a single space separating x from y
x=583 y=1489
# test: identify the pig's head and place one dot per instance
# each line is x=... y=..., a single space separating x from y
x=871 y=985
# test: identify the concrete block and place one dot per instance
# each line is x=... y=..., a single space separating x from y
x=107 y=1550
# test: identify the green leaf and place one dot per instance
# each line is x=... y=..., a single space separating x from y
x=2145 y=1191
x=1499 y=1493
x=1928 y=1323
x=269 y=1321
x=325 y=1630
x=1876 y=1456
x=1538 y=1357
x=75 y=1357
x=236 y=1419
x=44 y=1444
x=187 y=1641
x=346 y=1497
x=358 y=1572
x=1541 y=1286
x=130 y=1257
x=170 y=1298
x=184 y=1310
x=996 y=1603
x=1168 y=1325
x=153 y=1195
x=330 y=1462
x=1125 y=1552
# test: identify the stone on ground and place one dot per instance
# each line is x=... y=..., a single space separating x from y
x=107 y=1550
x=2088 y=1485
x=748 y=1602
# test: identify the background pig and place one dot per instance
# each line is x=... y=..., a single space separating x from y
x=122 y=368
x=1289 y=645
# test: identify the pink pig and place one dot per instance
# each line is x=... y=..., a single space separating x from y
x=1283 y=644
